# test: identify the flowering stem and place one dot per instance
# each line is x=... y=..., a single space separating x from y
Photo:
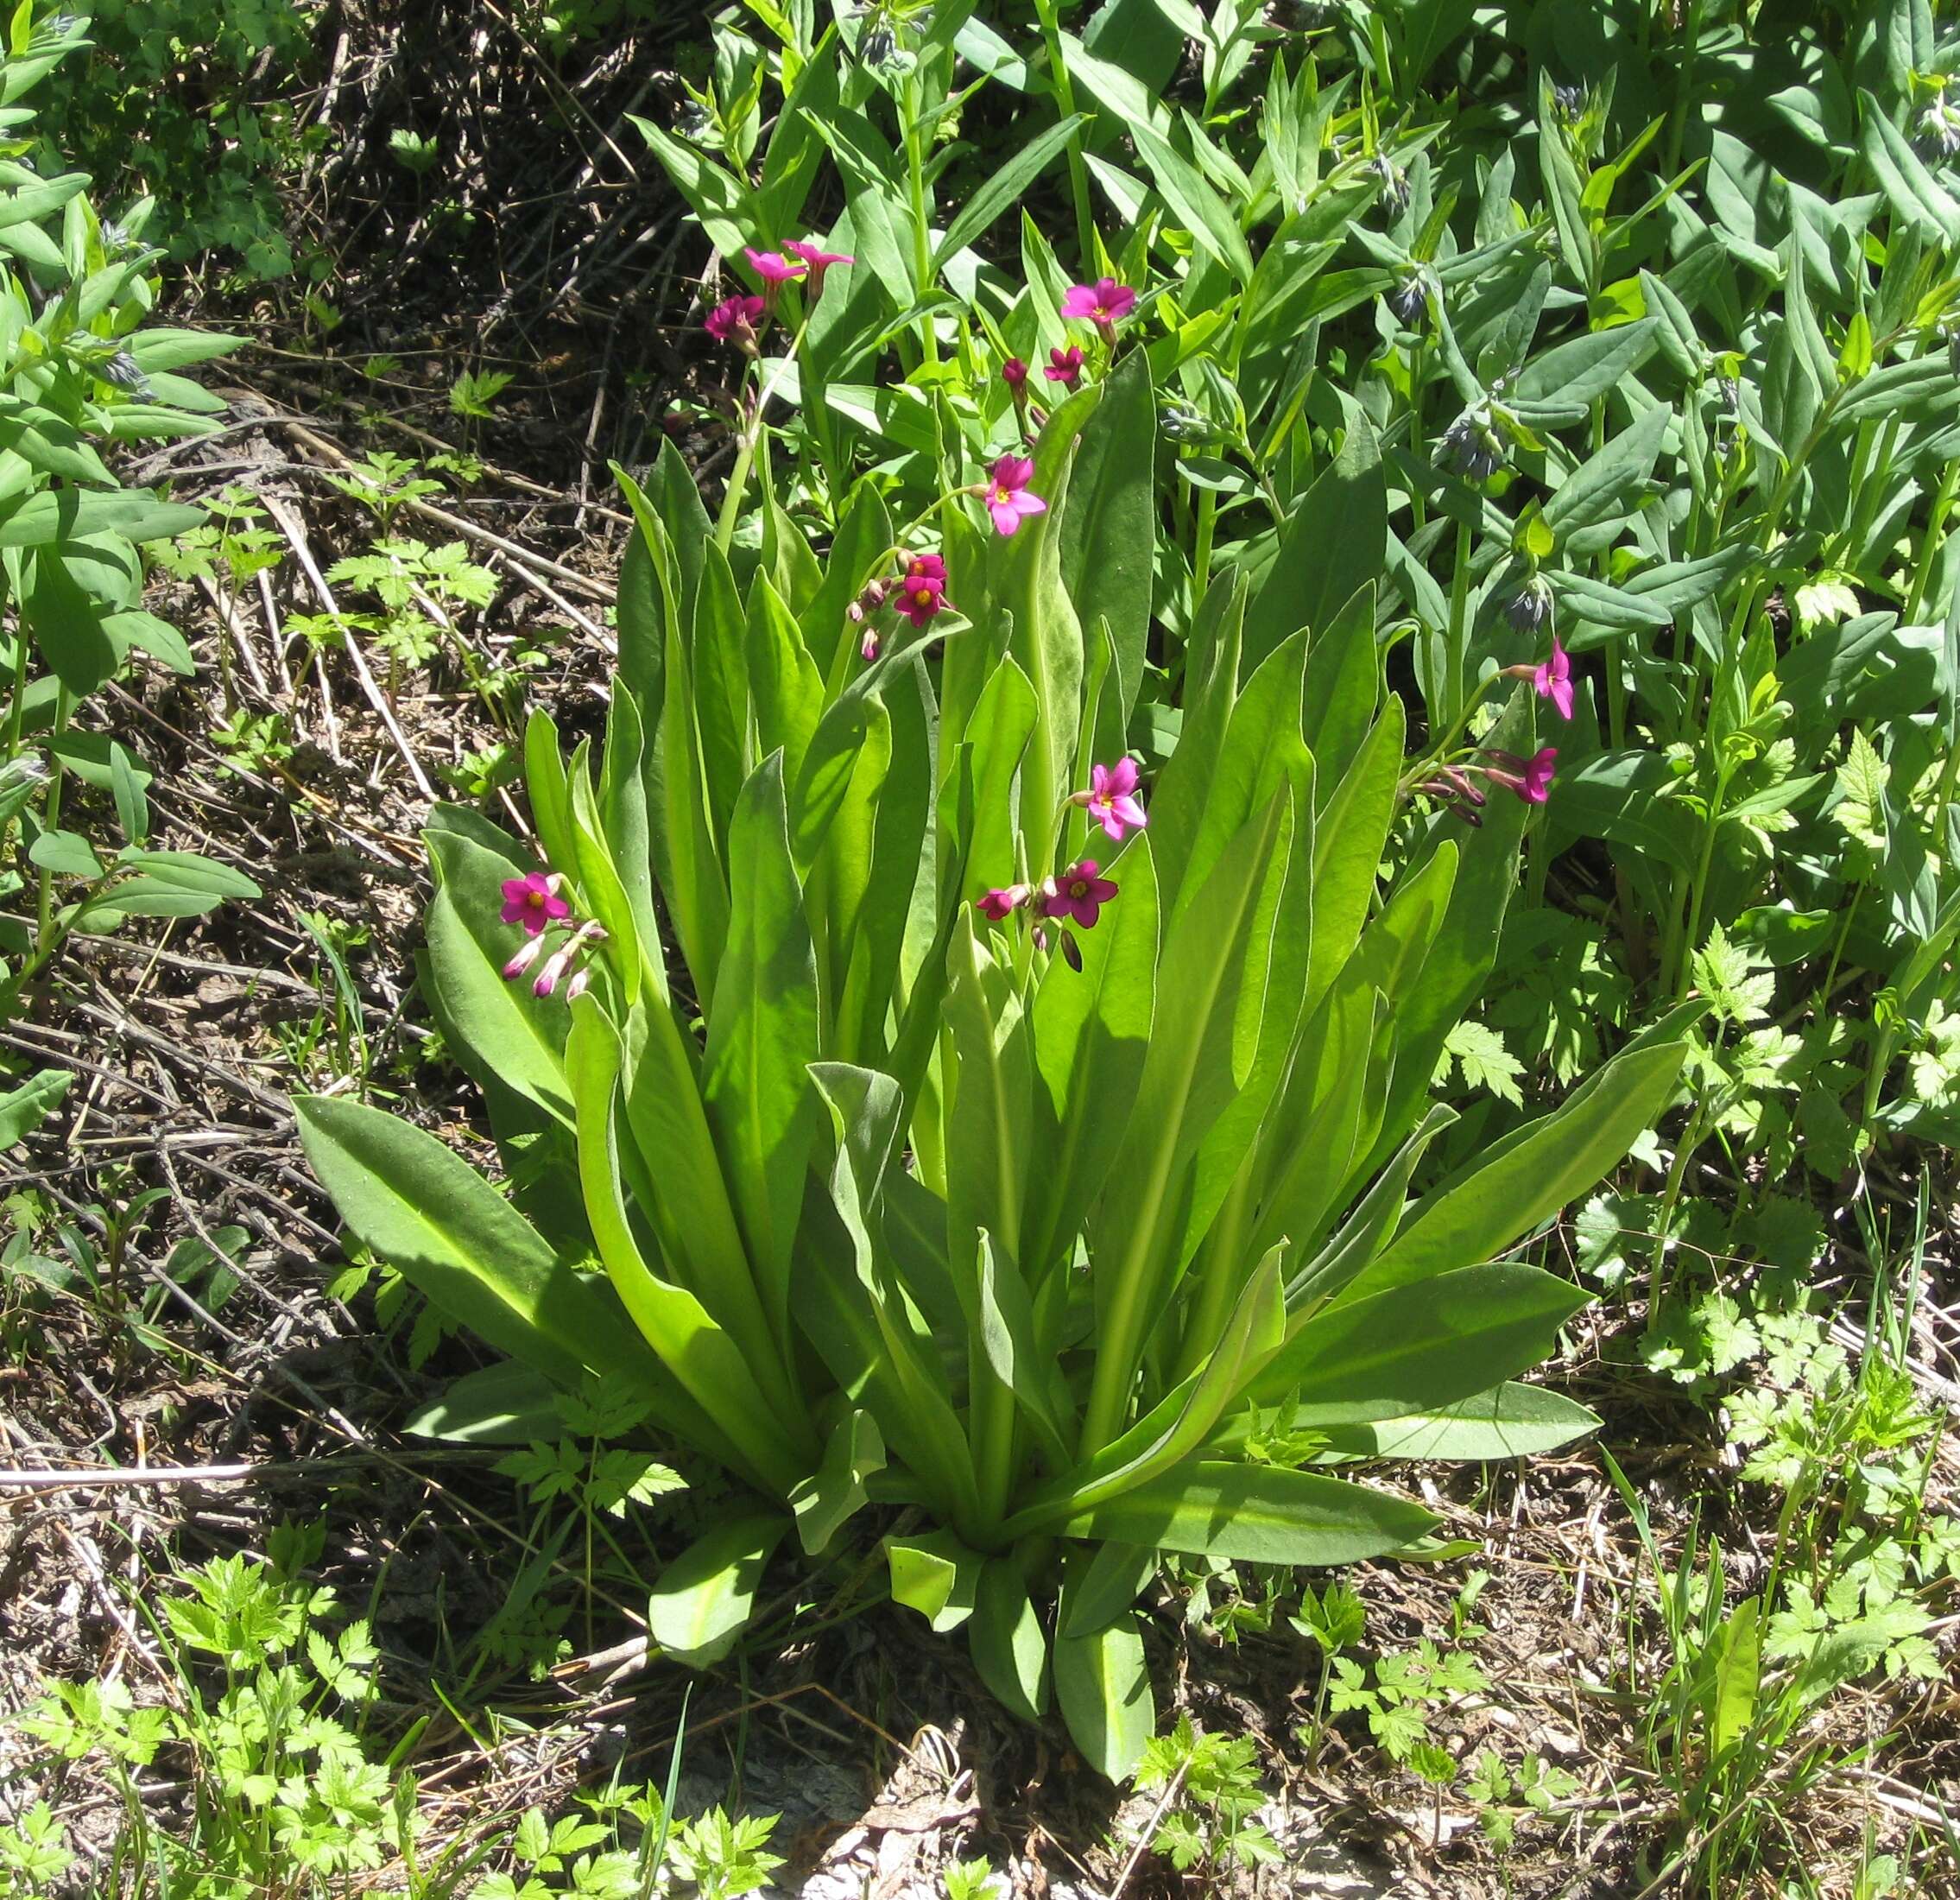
x=1064 y=101
x=1931 y=545
x=751 y=436
x=922 y=237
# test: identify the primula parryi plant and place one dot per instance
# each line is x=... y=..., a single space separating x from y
x=922 y=1109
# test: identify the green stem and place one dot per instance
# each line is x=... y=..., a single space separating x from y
x=1201 y=554
x=1657 y=1270
x=1064 y=102
x=921 y=235
x=1697 y=892
x=51 y=817
x=1931 y=542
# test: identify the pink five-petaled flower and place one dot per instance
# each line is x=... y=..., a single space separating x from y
x=773 y=267
x=534 y=902
x=1554 y=680
x=1001 y=902
x=1530 y=778
x=1065 y=366
x=1008 y=500
x=1111 y=799
x=922 y=593
x=1105 y=303
x=818 y=261
x=733 y=320
x=1078 y=894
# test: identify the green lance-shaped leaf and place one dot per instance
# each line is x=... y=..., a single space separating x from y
x=694 y=883
x=601 y=884
x=742 y=1385
x=548 y=790
x=762 y=1037
x=1102 y=1581
x=835 y=1491
x=863 y=539
x=1091 y=1031
x=1181 y=1423
x=1178 y=799
x=1416 y=1347
x=1197 y=1059
x=1476 y=1216
x=1509 y=1421
x=894 y=1368
x=1562 y=384
x=1045 y=642
x=704 y=1597
x=1005 y=1637
x=1334 y=542
x=70 y=514
x=935 y=1575
x=1239 y=1513
x=1738 y=1679
x=1108 y=528
x=1103 y=1689
x=426 y=1213
x=502 y=1033
x=1343 y=690
x=718 y=654
x=626 y=824
x=1005 y=727
x=649 y=599
x=786 y=691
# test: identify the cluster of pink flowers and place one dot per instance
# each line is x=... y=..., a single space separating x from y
x=919 y=593
x=1105 y=303
x=1076 y=894
x=740 y=319
x=534 y=902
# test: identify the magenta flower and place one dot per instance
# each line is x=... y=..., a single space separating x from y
x=1013 y=373
x=1539 y=770
x=534 y=902
x=1105 y=303
x=1078 y=894
x=922 y=593
x=1001 y=902
x=1530 y=778
x=733 y=320
x=1008 y=499
x=773 y=267
x=1065 y=366
x=1554 y=680
x=818 y=262
x=1111 y=799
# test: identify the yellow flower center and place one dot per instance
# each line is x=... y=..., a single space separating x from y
x=923 y=596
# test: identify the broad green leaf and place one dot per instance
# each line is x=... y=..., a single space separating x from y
x=508 y=1404
x=1102 y=1581
x=1510 y=1421
x=729 y=1367
x=500 y=1033
x=1241 y=1513
x=1420 y=1346
x=1912 y=191
x=704 y=1597
x=1213 y=227
x=425 y=1212
x=835 y=1491
x=1566 y=379
x=1333 y=544
x=67 y=514
x=1476 y=1216
x=1108 y=527
x=762 y=1035
x=1103 y=1689
x=935 y=1575
x=1008 y=1645
x=1091 y=1028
